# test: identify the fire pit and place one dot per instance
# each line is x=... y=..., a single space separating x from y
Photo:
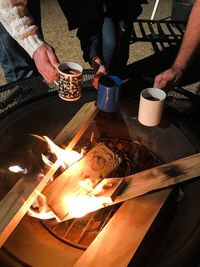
x=46 y=116
x=81 y=232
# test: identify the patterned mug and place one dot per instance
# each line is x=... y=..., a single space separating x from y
x=70 y=79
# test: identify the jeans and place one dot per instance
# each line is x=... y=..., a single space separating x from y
x=15 y=61
x=115 y=43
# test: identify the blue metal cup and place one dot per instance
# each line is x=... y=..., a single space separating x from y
x=108 y=93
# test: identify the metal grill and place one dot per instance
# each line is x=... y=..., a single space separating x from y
x=35 y=88
x=82 y=231
x=32 y=89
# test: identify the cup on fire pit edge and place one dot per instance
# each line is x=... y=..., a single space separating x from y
x=69 y=82
x=151 y=106
x=108 y=93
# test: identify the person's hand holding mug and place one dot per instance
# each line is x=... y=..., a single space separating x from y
x=99 y=69
x=46 y=62
x=169 y=78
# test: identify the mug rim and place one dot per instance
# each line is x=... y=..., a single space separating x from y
x=70 y=64
x=154 y=92
x=117 y=80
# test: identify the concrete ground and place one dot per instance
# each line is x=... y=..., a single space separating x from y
x=67 y=46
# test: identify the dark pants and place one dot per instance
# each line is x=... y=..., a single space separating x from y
x=15 y=61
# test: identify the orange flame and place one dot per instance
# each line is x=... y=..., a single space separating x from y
x=40 y=209
x=79 y=206
x=64 y=156
x=76 y=206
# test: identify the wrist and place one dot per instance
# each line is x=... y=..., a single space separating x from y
x=96 y=62
x=179 y=67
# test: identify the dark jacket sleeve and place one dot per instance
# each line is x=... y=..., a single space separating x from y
x=87 y=17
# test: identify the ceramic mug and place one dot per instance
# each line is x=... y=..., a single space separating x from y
x=108 y=93
x=151 y=106
x=69 y=82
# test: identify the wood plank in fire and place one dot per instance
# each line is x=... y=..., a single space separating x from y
x=98 y=163
x=18 y=200
x=157 y=178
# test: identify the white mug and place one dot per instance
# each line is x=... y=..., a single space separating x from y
x=151 y=106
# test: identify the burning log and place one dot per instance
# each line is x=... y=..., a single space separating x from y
x=138 y=184
x=18 y=200
x=66 y=191
x=136 y=215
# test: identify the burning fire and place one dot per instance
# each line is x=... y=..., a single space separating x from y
x=40 y=209
x=77 y=205
x=66 y=158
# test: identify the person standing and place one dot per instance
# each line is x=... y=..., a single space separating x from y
x=104 y=29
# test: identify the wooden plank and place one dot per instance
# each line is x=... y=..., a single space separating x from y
x=78 y=125
x=99 y=162
x=162 y=176
x=157 y=178
x=120 y=238
x=18 y=200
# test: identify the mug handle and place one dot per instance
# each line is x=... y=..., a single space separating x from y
x=56 y=83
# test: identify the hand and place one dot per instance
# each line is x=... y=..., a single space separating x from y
x=169 y=78
x=46 y=62
x=101 y=71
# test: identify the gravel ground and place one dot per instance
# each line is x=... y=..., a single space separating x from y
x=67 y=45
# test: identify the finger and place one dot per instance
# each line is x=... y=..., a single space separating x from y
x=53 y=58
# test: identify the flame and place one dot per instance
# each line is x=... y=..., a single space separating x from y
x=40 y=209
x=17 y=169
x=65 y=157
x=41 y=215
x=87 y=184
x=79 y=206
x=76 y=206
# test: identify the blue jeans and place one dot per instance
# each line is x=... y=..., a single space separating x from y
x=15 y=61
x=115 y=43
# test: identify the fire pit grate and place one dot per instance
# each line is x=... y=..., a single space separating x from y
x=35 y=88
x=32 y=89
x=80 y=232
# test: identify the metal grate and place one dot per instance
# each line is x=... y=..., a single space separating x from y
x=158 y=31
x=82 y=231
x=32 y=89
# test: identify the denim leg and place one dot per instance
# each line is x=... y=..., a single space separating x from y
x=15 y=61
x=109 y=41
x=116 y=44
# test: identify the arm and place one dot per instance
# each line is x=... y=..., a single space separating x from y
x=188 y=51
x=15 y=18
